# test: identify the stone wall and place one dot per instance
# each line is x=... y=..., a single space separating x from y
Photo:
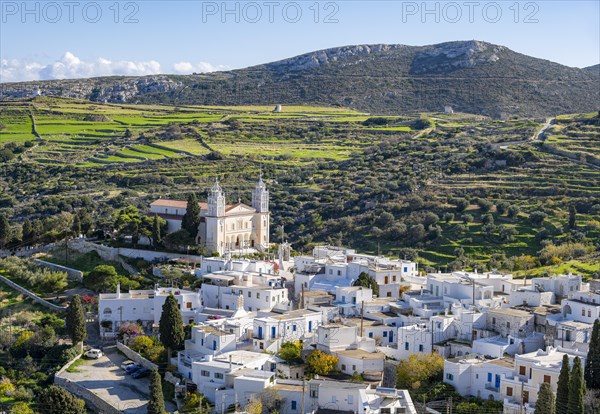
x=134 y=356
x=113 y=253
x=32 y=295
x=83 y=246
x=97 y=404
x=72 y=273
x=27 y=251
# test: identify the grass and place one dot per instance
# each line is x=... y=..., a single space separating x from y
x=188 y=145
x=15 y=306
x=585 y=267
x=86 y=262
x=74 y=367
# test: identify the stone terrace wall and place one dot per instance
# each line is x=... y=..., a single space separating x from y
x=32 y=295
x=72 y=273
x=134 y=356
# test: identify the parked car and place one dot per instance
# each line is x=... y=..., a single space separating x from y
x=93 y=353
x=141 y=373
x=132 y=368
x=127 y=363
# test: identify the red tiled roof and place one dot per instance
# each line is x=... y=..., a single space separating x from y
x=164 y=202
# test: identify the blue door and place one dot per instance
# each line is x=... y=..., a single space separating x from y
x=273 y=332
x=497 y=385
x=214 y=345
x=391 y=336
x=309 y=326
x=260 y=333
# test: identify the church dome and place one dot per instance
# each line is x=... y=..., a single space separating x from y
x=216 y=188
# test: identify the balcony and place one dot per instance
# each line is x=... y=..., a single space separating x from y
x=490 y=386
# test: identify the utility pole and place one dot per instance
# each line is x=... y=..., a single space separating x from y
x=302 y=402
x=432 y=335
x=362 y=313
x=522 y=395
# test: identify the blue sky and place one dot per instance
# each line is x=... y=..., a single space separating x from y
x=58 y=39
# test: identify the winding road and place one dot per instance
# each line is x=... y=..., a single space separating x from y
x=540 y=133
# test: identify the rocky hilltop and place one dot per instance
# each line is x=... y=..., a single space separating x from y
x=471 y=76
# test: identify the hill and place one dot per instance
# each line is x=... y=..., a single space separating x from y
x=458 y=190
x=470 y=76
x=593 y=69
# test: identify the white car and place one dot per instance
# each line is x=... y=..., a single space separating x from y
x=93 y=354
x=127 y=364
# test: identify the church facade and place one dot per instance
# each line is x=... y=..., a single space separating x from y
x=223 y=227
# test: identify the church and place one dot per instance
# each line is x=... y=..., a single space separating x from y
x=224 y=227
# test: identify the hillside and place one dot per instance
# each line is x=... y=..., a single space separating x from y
x=471 y=76
x=457 y=190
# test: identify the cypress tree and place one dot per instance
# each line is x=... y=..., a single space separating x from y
x=576 y=389
x=572 y=216
x=76 y=225
x=135 y=235
x=562 y=390
x=75 y=320
x=171 y=330
x=156 y=404
x=37 y=230
x=545 y=401
x=27 y=232
x=191 y=219
x=592 y=362
x=5 y=231
x=156 y=238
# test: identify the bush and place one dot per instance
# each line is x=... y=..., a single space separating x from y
x=563 y=251
x=36 y=277
x=196 y=403
x=55 y=400
x=58 y=356
x=290 y=351
x=419 y=370
x=537 y=217
x=149 y=347
x=321 y=363
x=130 y=329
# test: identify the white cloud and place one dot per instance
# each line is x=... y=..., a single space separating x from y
x=186 y=68
x=70 y=66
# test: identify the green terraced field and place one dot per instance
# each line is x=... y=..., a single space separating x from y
x=336 y=176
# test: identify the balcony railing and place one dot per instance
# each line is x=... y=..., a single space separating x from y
x=491 y=387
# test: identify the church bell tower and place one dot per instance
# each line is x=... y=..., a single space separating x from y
x=216 y=201
x=260 y=197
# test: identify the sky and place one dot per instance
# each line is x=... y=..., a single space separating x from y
x=72 y=39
